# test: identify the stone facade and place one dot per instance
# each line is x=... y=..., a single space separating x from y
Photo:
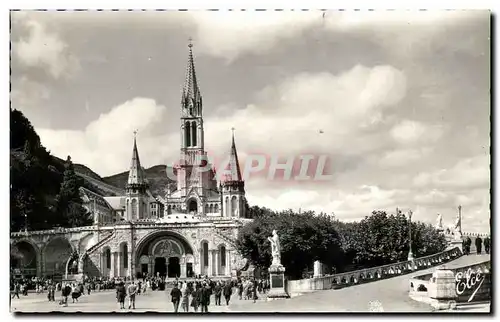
x=190 y=230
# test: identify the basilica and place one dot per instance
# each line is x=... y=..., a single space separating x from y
x=189 y=230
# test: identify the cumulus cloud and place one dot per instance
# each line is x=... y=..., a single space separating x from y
x=103 y=146
x=409 y=132
x=42 y=48
x=322 y=108
x=231 y=34
x=468 y=173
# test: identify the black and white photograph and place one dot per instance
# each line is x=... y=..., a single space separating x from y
x=250 y=161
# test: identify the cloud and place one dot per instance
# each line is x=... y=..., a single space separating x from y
x=103 y=145
x=231 y=34
x=344 y=105
x=467 y=173
x=408 y=132
x=42 y=48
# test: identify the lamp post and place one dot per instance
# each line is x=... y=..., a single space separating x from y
x=25 y=223
x=410 y=253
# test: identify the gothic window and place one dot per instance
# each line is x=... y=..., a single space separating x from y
x=193 y=129
x=222 y=254
x=125 y=256
x=227 y=205
x=207 y=209
x=107 y=255
x=188 y=134
x=216 y=208
x=204 y=248
x=211 y=209
x=234 y=206
x=134 y=208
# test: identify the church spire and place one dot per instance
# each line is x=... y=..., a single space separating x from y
x=136 y=174
x=233 y=170
x=191 y=96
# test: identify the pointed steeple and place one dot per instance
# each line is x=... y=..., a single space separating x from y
x=233 y=173
x=136 y=174
x=191 y=96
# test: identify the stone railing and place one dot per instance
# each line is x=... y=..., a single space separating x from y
x=367 y=275
x=100 y=243
x=482 y=235
x=228 y=239
x=52 y=231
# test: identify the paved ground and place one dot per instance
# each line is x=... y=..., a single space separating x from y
x=389 y=295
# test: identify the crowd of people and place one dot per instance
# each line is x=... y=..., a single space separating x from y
x=193 y=294
x=478 y=242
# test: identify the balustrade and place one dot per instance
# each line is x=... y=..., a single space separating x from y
x=371 y=274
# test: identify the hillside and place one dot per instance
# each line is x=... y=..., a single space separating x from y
x=156 y=176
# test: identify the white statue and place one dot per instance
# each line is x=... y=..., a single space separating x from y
x=275 y=248
x=458 y=224
x=439 y=222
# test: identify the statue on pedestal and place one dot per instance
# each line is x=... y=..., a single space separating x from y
x=275 y=248
x=458 y=223
x=439 y=222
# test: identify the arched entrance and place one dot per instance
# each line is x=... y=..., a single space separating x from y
x=192 y=206
x=23 y=259
x=163 y=254
x=56 y=254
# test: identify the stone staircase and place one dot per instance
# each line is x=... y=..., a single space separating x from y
x=226 y=238
x=100 y=243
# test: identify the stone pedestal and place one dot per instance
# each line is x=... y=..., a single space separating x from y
x=78 y=278
x=441 y=289
x=277 y=283
x=455 y=243
x=318 y=269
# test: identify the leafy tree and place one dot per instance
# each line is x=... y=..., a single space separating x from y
x=68 y=202
x=304 y=238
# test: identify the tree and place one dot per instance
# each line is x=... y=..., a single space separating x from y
x=304 y=238
x=70 y=212
x=382 y=239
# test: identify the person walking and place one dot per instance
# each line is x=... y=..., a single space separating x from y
x=478 y=243
x=487 y=245
x=227 y=290
x=65 y=292
x=218 y=293
x=121 y=293
x=468 y=244
x=50 y=292
x=240 y=289
x=132 y=291
x=185 y=297
x=17 y=289
x=196 y=297
x=175 y=294
x=206 y=292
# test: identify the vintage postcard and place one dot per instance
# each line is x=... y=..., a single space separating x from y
x=250 y=161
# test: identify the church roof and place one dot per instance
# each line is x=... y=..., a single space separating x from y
x=233 y=171
x=116 y=203
x=89 y=196
x=136 y=174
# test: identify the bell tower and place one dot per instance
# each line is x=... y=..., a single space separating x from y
x=136 y=196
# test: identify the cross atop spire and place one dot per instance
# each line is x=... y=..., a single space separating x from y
x=136 y=174
x=233 y=168
x=191 y=96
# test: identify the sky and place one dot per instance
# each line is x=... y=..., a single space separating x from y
x=397 y=101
